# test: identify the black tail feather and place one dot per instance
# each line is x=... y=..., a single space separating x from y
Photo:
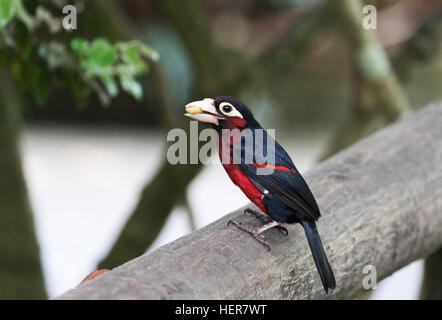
x=321 y=262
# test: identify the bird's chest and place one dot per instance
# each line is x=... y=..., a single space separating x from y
x=240 y=179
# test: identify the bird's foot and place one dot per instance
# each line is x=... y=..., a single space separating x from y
x=253 y=232
x=266 y=220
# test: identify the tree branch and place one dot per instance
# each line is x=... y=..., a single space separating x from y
x=381 y=201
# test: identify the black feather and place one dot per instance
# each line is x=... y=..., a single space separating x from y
x=321 y=262
x=290 y=187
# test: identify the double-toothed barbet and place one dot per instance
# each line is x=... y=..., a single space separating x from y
x=280 y=193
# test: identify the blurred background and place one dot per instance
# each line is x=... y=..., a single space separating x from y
x=84 y=114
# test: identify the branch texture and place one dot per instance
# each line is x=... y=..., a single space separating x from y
x=381 y=202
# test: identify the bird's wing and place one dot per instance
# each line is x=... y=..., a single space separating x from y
x=284 y=181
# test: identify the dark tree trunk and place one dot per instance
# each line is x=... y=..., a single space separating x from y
x=21 y=275
x=432 y=283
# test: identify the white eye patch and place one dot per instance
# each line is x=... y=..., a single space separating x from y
x=229 y=110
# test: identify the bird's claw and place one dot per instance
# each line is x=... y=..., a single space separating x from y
x=265 y=219
x=248 y=210
x=258 y=236
x=283 y=230
x=262 y=239
x=256 y=214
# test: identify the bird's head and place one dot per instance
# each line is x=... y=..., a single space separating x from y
x=223 y=112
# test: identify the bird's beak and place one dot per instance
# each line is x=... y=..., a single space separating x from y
x=203 y=111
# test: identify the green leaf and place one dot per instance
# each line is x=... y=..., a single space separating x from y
x=23 y=14
x=110 y=84
x=131 y=86
x=131 y=56
x=81 y=46
x=102 y=54
x=7 y=11
x=147 y=51
x=55 y=54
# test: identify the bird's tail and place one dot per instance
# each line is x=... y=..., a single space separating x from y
x=321 y=262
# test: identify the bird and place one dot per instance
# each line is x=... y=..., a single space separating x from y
x=281 y=193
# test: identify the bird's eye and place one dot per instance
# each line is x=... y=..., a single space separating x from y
x=229 y=110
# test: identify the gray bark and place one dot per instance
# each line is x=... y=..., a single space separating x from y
x=381 y=203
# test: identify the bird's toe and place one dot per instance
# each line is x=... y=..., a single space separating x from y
x=283 y=230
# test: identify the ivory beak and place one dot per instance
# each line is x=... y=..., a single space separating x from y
x=203 y=110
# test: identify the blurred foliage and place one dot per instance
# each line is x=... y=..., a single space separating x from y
x=43 y=58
